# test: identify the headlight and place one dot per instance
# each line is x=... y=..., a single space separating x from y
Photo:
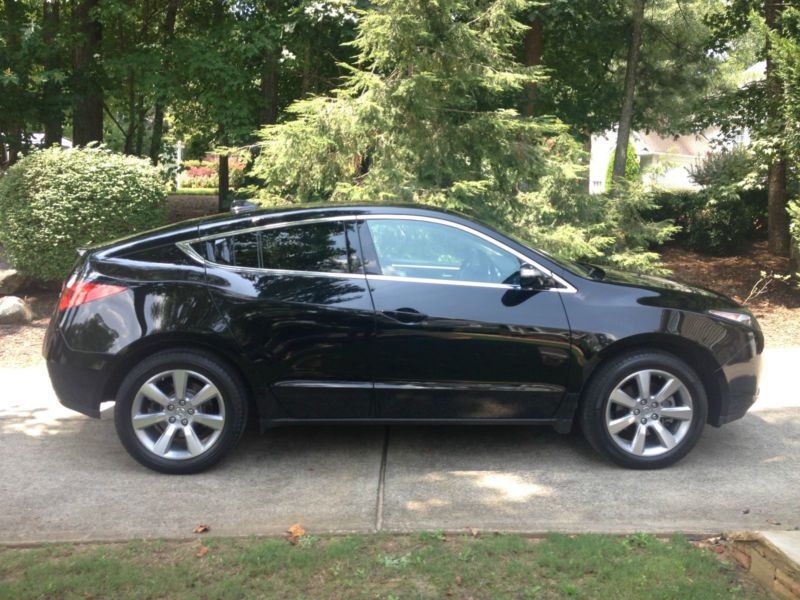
x=736 y=317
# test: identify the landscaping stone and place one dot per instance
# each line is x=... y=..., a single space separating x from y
x=14 y=310
x=10 y=281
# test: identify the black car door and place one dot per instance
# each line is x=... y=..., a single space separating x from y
x=456 y=337
x=296 y=300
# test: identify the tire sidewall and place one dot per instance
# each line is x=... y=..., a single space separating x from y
x=598 y=396
x=233 y=399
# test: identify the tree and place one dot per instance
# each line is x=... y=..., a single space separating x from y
x=760 y=106
x=87 y=114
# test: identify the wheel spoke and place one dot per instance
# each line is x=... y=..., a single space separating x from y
x=670 y=388
x=682 y=413
x=637 y=445
x=208 y=392
x=164 y=443
x=618 y=425
x=620 y=397
x=667 y=439
x=193 y=444
x=179 y=379
x=643 y=381
x=148 y=420
x=212 y=421
x=156 y=395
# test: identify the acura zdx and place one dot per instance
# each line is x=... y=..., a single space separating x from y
x=390 y=315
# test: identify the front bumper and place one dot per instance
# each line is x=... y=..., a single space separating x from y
x=740 y=378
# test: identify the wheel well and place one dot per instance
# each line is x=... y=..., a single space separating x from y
x=121 y=370
x=697 y=357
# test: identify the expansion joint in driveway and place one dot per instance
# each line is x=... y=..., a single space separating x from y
x=382 y=482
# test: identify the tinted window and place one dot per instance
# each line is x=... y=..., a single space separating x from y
x=315 y=247
x=435 y=251
x=244 y=250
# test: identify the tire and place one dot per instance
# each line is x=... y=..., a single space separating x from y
x=675 y=410
x=213 y=407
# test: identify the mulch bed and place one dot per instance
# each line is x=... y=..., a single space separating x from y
x=777 y=310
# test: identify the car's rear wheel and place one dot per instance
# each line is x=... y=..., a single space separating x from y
x=180 y=412
x=644 y=410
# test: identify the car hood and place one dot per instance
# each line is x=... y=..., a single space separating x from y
x=670 y=293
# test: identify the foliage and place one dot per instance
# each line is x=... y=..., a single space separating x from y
x=585 y=52
x=632 y=168
x=424 y=117
x=730 y=209
x=54 y=201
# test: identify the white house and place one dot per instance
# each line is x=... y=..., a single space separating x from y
x=665 y=161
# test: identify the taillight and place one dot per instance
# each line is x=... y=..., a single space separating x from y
x=76 y=293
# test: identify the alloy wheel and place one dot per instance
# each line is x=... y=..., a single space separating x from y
x=178 y=414
x=649 y=413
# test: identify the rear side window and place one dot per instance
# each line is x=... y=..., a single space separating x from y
x=244 y=250
x=327 y=247
x=320 y=247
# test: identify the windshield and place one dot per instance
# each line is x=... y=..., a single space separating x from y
x=576 y=268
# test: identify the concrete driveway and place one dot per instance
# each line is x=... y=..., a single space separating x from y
x=65 y=477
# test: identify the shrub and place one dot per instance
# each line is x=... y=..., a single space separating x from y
x=55 y=201
x=633 y=172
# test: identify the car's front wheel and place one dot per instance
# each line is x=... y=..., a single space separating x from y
x=180 y=412
x=644 y=410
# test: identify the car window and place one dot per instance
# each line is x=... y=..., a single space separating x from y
x=320 y=247
x=410 y=248
x=244 y=249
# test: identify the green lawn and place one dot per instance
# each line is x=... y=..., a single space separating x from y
x=429 y=565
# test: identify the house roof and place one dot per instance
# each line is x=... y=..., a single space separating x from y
x=681 y=145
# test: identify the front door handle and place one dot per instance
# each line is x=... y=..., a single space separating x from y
x=405 y=315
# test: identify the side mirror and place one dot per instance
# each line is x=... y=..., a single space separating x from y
x=533 y=278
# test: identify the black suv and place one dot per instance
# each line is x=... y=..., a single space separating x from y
x=387 y=315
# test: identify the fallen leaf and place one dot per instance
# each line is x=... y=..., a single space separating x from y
x=201 y=529
x=773 y=522
x=202 y=552
x=746 y=511
x=474 y=532
x=458 y=579
x=718 y=549
x=295 y=533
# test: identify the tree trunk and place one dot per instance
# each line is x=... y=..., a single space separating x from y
x=533 y=58
x=87 y=118
x=12 y=118
x=626 y=117
x=167 y=36
x=778 y=219
x=224 y=183
x=54 y=114
x=307 y=81
x=268 y=114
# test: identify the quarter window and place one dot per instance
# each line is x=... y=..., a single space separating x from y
x=411 y=248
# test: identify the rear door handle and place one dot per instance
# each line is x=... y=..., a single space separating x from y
x=405 y=315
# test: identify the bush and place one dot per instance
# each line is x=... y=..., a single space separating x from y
x=55 y=201
x=633 y=172
x=729 y=210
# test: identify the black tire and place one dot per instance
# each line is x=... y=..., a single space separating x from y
x=597 y=394
x=232 y=395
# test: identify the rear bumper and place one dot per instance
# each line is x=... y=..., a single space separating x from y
x=741 y=377
x=79 y=378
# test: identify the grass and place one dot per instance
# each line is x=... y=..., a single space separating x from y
x=429 y=565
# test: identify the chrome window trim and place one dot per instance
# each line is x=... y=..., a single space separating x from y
x=186 y=247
